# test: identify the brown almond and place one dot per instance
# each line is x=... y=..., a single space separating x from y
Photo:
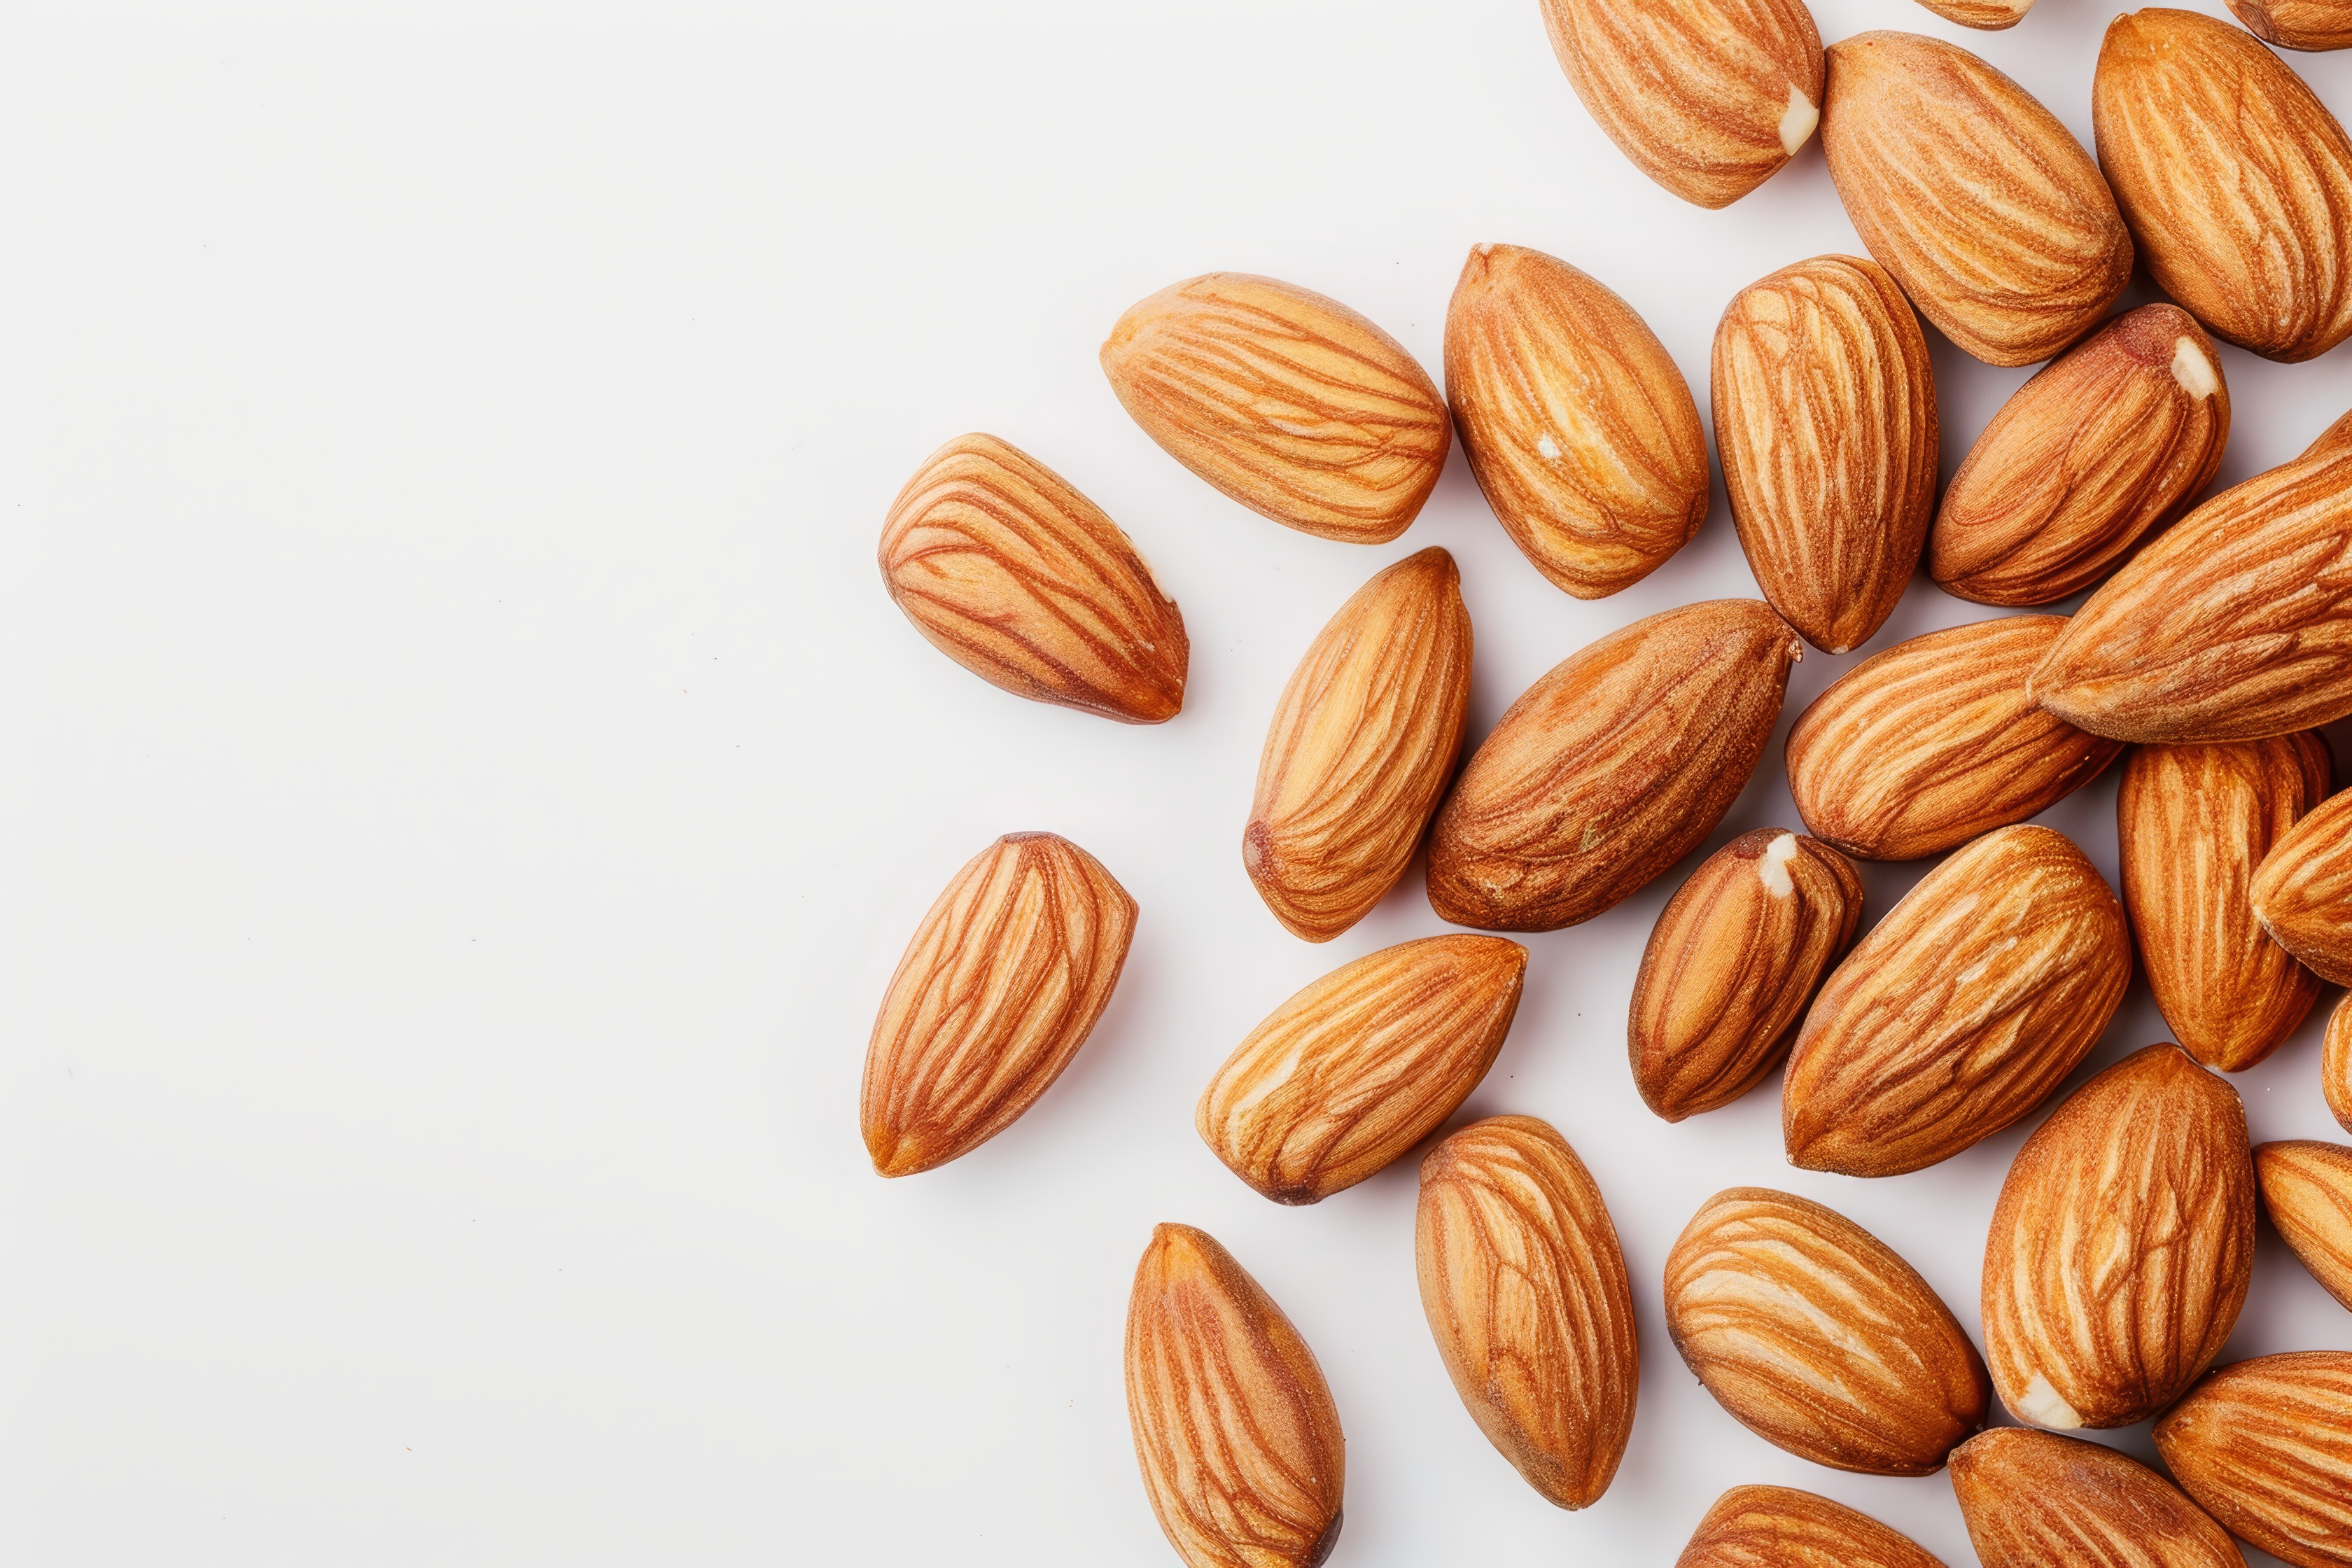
x=1985 y=15
x=2335 y=1064
x=2302 y=890
x=2308 y=1192
x=1780 y=1527
x=2033 y=1499
x=2265 y=1446
x=2297 y=24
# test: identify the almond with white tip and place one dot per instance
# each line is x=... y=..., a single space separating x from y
x=2033 y=1500
x=2265 y=1446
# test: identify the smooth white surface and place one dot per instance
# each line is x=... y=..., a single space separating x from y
x=465 y=789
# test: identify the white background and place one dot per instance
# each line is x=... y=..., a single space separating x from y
x=465 y=789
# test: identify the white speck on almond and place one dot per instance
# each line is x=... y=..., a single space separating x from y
x=1548 y=446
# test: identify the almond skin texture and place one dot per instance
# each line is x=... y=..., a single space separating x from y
x=1580 y=428
x=1362 y=745
x=2335 y=1064
x=1994 y=218
x=1935 y=741
x=1708 y=99
x=2035 y=1500
x=2235 y=179
x=2297 y=24
x=2308 y=1192
x=1023 y=580
x=1816 y=1337
x=2266 y=1446
x=1610 y=768
x=2192 y=823
x=1527 y=1297
x=1235 y=1429
x=2122 y=1246
x=1363 y=1064
x=2301 y=892
x=2104 y=446
x=1985 y=15
x=1780 y=1527
x=999 y=988
x=1826 y=421
x=1960 y=1012
x=1741 y=948
x=1291 y=404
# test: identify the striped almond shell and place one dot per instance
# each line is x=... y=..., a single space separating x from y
x=999 y=988
x=2335 y=1064
x=1024 y=582
x=2297 y=24
x=2106 y=444
x=2033 y=1499
x=1292 y=404
x=1780 y=1527
x=2266 y=1446
x=1739 y=950
x=1580 y=427
x=1234 y=1430
x=2301 y=892
x=1985 y=15
x=2192 y=823
x=1363 y=1064
x=1817 y=1338
x=1825 y=423
x=1362 y=746
x=1526 y=1293
x=1960 y=1011
x=1933 y=742
x=2122 y=1246
x=1610 y=769
x=2236 y=180
x=2308 y=1192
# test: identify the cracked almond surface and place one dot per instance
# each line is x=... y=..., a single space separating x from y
x=2033 y=1499
x=2266 y=1446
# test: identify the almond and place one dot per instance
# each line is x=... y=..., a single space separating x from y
x=1355 y=1069
x=2335 y=1064
x=1362 y=746
x=1740 y=949
x=1985 y=15
x=2192 y=823
x=1935 y=741
x=2033 y=1499
x=2266 y=1446
x=1780 y=1527
x=1816 y=1337
x=1580 y=428
x=1990 y=215
x=2301 y=892
x=2122 y=1246
x=2297 y=24
x=1610 y=768
x=1291 y=404
x=999 y=988
x=1024 y=582
x=1708 y=98
x=1527 y=1298
x=1825 y=422
x=2307 y=1190
x=2104 y=446
x=1960 y=1011
x=2235 y=179
x=1235 y=1429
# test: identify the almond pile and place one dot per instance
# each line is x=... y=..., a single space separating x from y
x=2215 y=638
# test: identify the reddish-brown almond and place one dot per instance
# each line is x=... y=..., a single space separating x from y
x=2297 y=24
x=1741 y=948
x=2266 y=1446
x=1780 y=1527
x=1527 y=1298
x=999 y=988
x=2033 y=1499
x=1235 y=1429
x=2335 y=1064
x=2301 y=892
x=1985 y=15
x=2307 y=1191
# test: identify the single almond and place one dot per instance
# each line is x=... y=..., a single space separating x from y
x=1985 y=15
x=2106 y=444
x=2266 y=1446
x=999 y=988
x=2297 y=24
x=2308 y=1192
x=2301 y=892
x=1817 y=1338
x=1580 y=427
x=1024 y=582
x=1780 y=1527
x=2335 y=1064
x=2033 y=1499
x=1610 y=768
x=1292 y=404
x=1363 y=1064
x=1740 y=949
x=1234 y=1428
x=1825 y=422
x=1526 y=1293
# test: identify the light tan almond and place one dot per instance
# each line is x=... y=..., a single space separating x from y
x=1610 y=768
x=2192 y=823
x=1235 y=1429
x=2266 y=1446
x=2308 y=1192
x=2335 y=1064
x=1527 y=1298
x=2297 y=24
x=2033 y=1499
x=1362 y=746
x=1816 y=1337
x=999 y=988
x=2302 y=890
x=1780 y=1527
x=1994 y=218
x=1739 y=951
x=1024 y=582
x=2236 y=181
x=1580 y=428
x=2122 y=1246
x=1825 y=422
x=1960 y=1011
x=1985 y=15
x=1355 y=1069
x=2106 y=445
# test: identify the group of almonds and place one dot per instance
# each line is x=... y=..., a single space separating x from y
x=2217 y=635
